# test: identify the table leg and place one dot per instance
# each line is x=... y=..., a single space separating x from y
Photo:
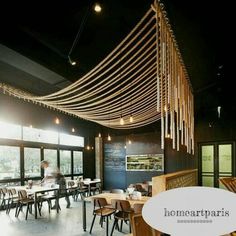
x=89 y=189
x=35 y=206
x=57 y=201
x=84 y=214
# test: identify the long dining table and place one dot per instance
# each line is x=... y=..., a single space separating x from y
x=109 y=197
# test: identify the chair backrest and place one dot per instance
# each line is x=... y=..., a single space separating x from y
x=99 y=202
x=4 y=191
x=117 y=191
x=141 y=228
x=122 y=205
x=12 y=191
x=22 y=194
x=70 y=184
x=139 y=187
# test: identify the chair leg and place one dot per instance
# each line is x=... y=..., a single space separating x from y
x=107 y=227
x=121 y=225
x=113 y=226
x=92 y=224
x=20 y=208
x=27 y=211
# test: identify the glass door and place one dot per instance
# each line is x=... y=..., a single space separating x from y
x=207 y=157
x=217 y=161
x=225 y=161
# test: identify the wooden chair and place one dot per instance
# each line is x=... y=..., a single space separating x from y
x=141 y=228
x=13 y=199
x=97 y=187
x=82 y=190
x=120 y=191
x=139 y=188
x=100 y=209
x=4 y=197
x=24 y=200
x=123 y=210
x=72 y=189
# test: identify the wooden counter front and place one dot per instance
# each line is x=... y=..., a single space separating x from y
x=174 y=180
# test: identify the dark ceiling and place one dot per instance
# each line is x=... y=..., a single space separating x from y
x=45 y=32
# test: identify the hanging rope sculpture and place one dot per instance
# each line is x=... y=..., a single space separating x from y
x=145 y=73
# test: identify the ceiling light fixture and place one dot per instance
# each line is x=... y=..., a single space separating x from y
x=73 y=130
x=108 y=137
x=57 y=121
x=73 y=63
x=122 y=122
x=131 y=119
x=97 y=8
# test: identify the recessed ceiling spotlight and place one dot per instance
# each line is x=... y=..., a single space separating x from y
x=97 y=8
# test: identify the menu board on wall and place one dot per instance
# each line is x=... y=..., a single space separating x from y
x=149 y=162
x=114 y=156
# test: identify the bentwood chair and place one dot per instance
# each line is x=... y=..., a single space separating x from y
x=100 y=209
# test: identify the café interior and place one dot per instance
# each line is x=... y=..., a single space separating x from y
x=123 y=99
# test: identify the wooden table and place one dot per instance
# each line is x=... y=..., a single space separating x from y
x=35 y=190
x=88 y=183
x=109 y=197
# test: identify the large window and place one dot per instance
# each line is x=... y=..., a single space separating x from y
x=10 y=131
x=32 y=162
x=65 y=162
x=9 y=162
x=50 y=155
x=78 y=162
x=71 y=140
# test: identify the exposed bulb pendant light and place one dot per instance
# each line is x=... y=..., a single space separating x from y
x=122 y=122
x=131 y=119
x=73 y=63
x=218 y=110
x=97 y=8
x=108 y=137
x=73 y=130
x=57 y=121
x=99 y=135
x=129 y=142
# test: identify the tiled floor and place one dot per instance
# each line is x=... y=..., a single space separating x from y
x=68 y=222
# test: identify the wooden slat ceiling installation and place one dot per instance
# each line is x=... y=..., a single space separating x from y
x=143 y=77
